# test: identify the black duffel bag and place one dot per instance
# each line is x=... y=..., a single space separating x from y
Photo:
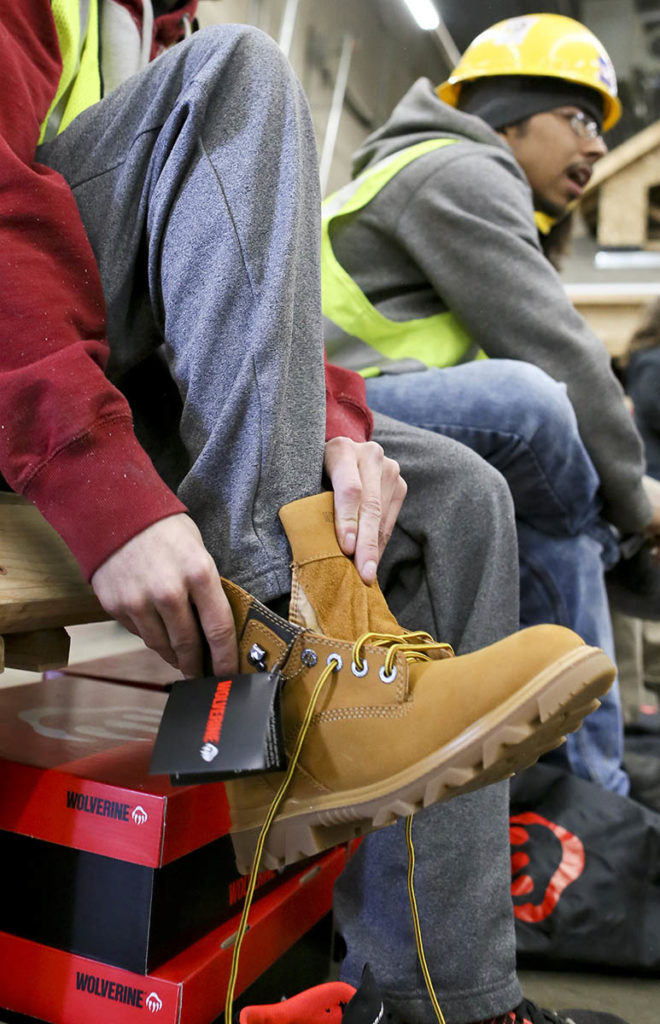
x=585 y=875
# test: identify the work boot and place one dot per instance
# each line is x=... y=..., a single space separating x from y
x=400 y=723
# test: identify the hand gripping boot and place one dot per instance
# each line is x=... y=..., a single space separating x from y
x=400 y=722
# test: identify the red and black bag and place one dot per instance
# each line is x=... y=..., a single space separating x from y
x=585 y=875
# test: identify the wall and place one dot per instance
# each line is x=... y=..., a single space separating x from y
x=389 y=53
x=621 y=33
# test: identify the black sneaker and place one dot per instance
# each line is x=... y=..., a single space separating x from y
x=633 y=585
x=529 y=1013
x=367 y=1006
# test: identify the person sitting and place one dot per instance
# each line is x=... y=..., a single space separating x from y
x=433 y=258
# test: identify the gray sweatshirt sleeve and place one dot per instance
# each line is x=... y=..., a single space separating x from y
x=467 y=221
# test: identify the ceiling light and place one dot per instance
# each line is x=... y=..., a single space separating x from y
x=424 y=13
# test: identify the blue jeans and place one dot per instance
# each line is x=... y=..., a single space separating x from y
x=522 y=422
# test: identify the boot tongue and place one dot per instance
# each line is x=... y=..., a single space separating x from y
x=327 y=594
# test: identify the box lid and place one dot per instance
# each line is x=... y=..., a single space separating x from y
x=74 y=760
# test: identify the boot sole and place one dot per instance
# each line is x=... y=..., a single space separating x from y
x=513 y=736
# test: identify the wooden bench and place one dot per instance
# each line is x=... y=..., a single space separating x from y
x=613 y=311
x=41 y=590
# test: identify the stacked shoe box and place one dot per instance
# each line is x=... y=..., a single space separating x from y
x=120 y=894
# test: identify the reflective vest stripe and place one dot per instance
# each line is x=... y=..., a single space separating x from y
x=77 y=23
x=358 y=335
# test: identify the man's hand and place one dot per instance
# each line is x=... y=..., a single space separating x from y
x=369 y=492
x=156 y=582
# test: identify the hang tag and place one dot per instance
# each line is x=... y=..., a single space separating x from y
x=214 y=729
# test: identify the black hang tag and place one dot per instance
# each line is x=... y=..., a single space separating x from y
x=214 y=729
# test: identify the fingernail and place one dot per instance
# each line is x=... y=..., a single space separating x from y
x=370 y=570
x=349 y=541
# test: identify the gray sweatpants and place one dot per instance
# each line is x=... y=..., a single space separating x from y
x=198 y=187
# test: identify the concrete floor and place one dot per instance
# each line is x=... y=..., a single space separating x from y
x=636 y=1000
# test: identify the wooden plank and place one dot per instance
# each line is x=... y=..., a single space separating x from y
x=612 y=312
x=614 y=323
x=609 y=295
x=41 y=585
x=37 y=650
x=624 y=155
x=623 y=203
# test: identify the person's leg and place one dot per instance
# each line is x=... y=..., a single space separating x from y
x=518 y=419
x=521 y=422
x=449 y=568
x=628 y=644
x=198 y=187
x=561 y=581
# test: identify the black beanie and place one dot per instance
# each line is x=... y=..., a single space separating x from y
x=502 y=100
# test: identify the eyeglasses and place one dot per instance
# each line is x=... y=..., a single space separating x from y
x=583 y=126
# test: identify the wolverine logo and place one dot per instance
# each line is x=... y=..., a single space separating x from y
x=106 y=989
x=154 y=1003
x=216 y=715
x=139 y=815
x=545 y=859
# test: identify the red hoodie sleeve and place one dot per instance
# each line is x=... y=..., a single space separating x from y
x=66 y=434
x=347 y=413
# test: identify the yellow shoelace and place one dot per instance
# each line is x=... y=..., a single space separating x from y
x=416 y=923
x=415 y=647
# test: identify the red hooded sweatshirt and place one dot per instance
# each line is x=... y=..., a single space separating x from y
x=66 y=434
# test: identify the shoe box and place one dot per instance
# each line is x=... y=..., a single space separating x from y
x=106 y=862
x=51 y=985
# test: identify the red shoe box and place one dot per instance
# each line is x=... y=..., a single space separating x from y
x=141 y=668
x=74 y=761
x=62 y=988
x=106 y=861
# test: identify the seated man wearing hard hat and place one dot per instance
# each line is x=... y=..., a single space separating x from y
x=433 y=258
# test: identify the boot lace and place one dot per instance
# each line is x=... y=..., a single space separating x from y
x=415 y=646
x=418 y=646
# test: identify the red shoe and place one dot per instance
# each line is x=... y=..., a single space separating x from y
x=334 y=1003
x=323 y=1004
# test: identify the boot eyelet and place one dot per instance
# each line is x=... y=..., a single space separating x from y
x=359 y=672
x=385 y=678
x=337 y=659
x=308 y=658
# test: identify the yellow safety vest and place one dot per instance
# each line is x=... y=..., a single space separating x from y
x=357 y=335
x=77 y=23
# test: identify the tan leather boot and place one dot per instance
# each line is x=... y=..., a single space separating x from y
x=400 y=723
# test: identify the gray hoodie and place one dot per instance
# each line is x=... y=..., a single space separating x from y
x=455 y=230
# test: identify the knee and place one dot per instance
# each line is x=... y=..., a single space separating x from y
x=248 y=44
x=476 y=491
x=489 y=494
x=541 y=405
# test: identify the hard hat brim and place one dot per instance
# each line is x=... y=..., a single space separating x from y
x=450 y=90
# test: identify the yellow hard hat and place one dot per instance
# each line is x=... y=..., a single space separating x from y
x=550 y=45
